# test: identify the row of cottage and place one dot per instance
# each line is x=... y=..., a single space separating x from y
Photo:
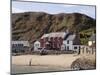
x=54 y=41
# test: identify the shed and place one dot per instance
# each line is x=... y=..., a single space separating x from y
x=36 y=45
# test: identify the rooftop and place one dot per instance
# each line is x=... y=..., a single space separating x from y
x=55 y=34
x=63 y=35
x=71 y=37
x=93 y=37
x=25 y=43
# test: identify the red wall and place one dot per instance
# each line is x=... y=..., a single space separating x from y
x=55 y=42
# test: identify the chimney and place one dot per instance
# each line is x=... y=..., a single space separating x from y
x=67 y=31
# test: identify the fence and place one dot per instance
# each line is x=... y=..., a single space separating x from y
x=87 y=50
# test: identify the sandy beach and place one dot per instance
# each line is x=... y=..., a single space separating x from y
x=63 y=60
x=20 y=64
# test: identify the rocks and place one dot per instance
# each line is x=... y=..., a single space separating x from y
x=83 y=64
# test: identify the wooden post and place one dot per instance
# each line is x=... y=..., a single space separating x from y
x=92 y=51
x=79 y=50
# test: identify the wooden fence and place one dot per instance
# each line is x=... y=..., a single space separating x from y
x=87 y=50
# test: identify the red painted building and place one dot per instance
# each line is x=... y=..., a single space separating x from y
x=52 y=40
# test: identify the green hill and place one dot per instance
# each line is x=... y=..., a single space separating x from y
x=32 y=25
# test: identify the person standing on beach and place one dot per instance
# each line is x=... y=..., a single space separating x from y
x=30 y=62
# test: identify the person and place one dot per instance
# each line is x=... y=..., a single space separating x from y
x=30 y=62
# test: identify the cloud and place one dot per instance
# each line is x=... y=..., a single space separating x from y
x=69 y=5
x=16 y=10
x=89 y=11
x=52 y=8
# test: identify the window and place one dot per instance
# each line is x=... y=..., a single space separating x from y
x=75 y=47
x=67 y=47
x=68 y=42
x=37 y=45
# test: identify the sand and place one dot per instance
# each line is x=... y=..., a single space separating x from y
x=63 y=60
x=45 y=63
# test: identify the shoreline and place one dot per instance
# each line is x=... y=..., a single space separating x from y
x=16 y=69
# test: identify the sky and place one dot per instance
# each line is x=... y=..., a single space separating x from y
x=18 y=7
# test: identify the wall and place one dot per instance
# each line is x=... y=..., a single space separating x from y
x=36 y=45
x=77 y=47
x=70 y=44
x=87 y=50
x=89 y=43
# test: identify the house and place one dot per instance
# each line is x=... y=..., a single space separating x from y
x=52 y=40
x=60 y=41
x=92 y=43
x=20 y=46
x=91 y=47
x=92 y=40
x=36 y=45
x=71 y=42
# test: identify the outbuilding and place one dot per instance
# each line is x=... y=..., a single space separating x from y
x=36 y=45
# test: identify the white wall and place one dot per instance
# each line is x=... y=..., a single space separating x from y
x=36 y=45
x=89 y=43
x=70 y=44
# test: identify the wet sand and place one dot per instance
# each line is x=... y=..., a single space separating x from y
x=18 y=69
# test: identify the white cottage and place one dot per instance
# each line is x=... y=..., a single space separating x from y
x=71 y=42
x=92 y=39
x=92 y=43
x=36 y=45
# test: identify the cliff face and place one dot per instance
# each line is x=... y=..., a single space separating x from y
x=32 y=25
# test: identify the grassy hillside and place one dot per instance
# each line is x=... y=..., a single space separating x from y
x=32 y=25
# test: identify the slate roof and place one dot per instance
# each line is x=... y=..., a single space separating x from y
x=36 y=42
x=71 y=37
x=25 y=43
x=92 y=38
x=55 y=34
x=64 y=35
